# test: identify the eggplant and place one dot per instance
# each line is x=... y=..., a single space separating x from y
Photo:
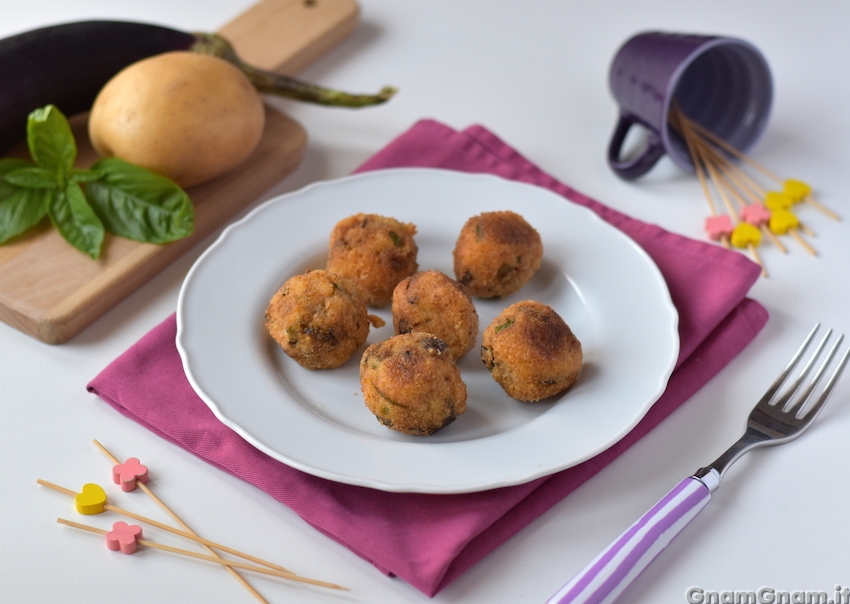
x=67 y=64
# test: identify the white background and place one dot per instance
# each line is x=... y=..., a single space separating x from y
x=535 y=73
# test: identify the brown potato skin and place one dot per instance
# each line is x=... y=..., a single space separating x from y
x=412 y=384
x=186 y=116
x=496 y=254
x=433 y=302
x=375 y=251
x=531 y=352
x=319 y=319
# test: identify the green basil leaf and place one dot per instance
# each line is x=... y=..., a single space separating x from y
x=8 y=164
x=78 y=175
x=32 y=177
x=51 y=141
x=137 y=204
x=75 y=219
x=21 y=210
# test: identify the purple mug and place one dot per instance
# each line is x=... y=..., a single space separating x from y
x=723 y=84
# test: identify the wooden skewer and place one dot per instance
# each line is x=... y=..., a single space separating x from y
x=729 y=178
x=697 y=161
x=56 y=487
x=716 y=180
x=811 y=199
x=737 y=153
x=171 y=529
x=721 y=190
x=763 y=227
x=740 y=184
x=754 y=164
x=185 y=526
x=801 y=241
x=792 y=232
x=216 y=559
x=757 y=259
x=188 y=533
x=806 y=230
x=773 y=238
x=754 y=189
x=737 y=195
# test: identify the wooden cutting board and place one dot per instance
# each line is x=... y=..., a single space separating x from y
x=51 y=291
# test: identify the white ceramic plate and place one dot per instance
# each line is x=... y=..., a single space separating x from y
x=603 y=285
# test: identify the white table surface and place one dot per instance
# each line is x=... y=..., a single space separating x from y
x=536 y=74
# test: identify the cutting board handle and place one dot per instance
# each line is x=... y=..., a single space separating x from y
x=287 y=35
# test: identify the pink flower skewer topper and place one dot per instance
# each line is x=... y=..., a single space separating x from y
x=126 y=474
x=755 y=213
x=718 y=227
x=123 y=537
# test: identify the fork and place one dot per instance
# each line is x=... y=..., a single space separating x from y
x=772 y=421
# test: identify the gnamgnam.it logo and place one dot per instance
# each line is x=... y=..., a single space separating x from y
x=767 y=595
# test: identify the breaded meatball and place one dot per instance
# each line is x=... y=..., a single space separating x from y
x=375 y=251
x=319 y=319
x=412 y=384
x=433 y=302
x=496 y=254
x=531 y=352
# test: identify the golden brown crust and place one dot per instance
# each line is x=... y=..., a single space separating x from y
x=496 y=254
x=531 y=352
x=319 y=319
x=433 y=302
x=375 y=251
x=412 y=384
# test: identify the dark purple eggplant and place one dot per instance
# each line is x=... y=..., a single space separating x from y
x=66 y=65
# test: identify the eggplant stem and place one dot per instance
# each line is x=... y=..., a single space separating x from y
x=274 y=83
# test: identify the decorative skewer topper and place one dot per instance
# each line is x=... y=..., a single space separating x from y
x=91 y=500
x=797 y=189
x=755 y=213
x=744 y=235
x=759 y=212
x=123 y=537
x=718 y=227
x=126 y=474
x=126 y=537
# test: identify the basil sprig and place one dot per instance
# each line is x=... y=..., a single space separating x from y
x=113 y=196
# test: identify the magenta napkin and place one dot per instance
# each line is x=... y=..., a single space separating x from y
x=429 y=540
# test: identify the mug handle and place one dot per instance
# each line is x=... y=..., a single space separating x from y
x=637 y=166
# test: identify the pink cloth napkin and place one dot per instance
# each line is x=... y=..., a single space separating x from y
x=429 y=540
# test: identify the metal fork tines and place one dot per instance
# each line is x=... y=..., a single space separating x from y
x=778 y=418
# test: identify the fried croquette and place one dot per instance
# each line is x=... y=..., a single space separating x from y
x=412 y=384
x=531 y=352
x=496 y=254
x=433 y=302
x=319 y=319
x=375 y=251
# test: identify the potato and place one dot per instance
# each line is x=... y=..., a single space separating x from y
x=186 y=116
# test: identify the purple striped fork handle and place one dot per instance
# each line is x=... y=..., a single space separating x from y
x=607 y=576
